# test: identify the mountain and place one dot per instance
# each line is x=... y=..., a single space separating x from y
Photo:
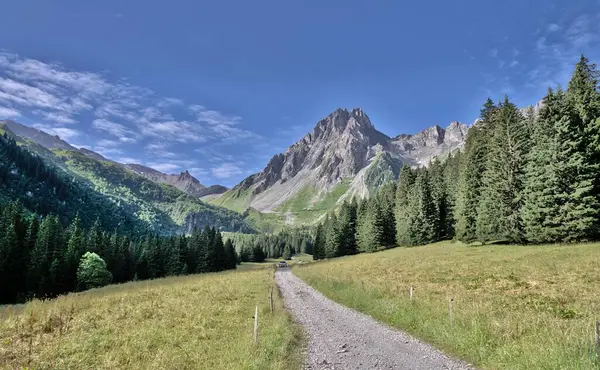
x=37 y=136
x=343 y=156
x=71 y=180
x=184 y=181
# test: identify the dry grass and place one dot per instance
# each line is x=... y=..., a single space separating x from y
x=515 y=307
x=201 y=322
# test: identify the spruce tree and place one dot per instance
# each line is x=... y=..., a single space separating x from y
x=319 y=246
x=406 y=179
x=370 y=233
x=347 y=228
x=578 y=134
x=333 y=242
x=498 y=212
x=540 y=210
x=422 y=213
x=472 y=167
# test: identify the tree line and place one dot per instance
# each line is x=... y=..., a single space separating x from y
x=284 y=244
x=40 y=258
x=522 y=177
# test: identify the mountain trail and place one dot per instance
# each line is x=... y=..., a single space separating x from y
x=342 y=338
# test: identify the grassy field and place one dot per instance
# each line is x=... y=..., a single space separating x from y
x=515 y=307
x=193 y=322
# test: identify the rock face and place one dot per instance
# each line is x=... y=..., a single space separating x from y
x=344 y=146
x=184 y=181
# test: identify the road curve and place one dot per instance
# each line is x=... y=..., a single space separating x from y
x=342 y=338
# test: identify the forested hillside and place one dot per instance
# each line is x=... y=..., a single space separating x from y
x=521 y=177
x=65 y=182
x=41 y=258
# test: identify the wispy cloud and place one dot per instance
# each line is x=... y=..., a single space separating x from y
x=9 y=113
x=67 y=134
x=493 y=52
x=557 y=52
x=553 y=27
x=114 y=129
x=81 y=104
x=226 y=170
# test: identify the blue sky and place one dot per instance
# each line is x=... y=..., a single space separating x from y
x=219 y=87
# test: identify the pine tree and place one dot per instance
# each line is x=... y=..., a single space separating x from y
x=451 y=179
x=230 y=254
x=440 y=197
x=540 y=210
x=370 y=233
x=406 y=179
x=333 y=242
x=422 y=213
x=347 y=228
x=578 y=134
x=472 y=167
x=498 y=212
x=386 y=196
x=319 y=247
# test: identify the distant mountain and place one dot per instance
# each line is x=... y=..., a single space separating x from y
x=343 y=156
x=119 y=191
x=184 y=181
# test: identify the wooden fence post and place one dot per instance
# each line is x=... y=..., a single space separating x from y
x=597 y=332
x=451 y=302
x=411 y=292
x=256 y=325
x=271 y=299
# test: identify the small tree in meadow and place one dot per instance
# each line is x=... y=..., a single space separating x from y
x=92 y=272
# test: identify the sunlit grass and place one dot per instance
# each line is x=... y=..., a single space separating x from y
x=193 y=322
x=515 y=307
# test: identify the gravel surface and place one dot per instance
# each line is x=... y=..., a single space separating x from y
x=342 y=338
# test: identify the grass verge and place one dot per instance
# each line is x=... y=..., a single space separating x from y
x=192 y=322
x=515 y=307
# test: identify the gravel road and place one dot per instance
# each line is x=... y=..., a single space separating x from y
x=342 y=338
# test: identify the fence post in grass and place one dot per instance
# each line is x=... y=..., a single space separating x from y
x=271 y=299
x=451 y=302
x=597 y=332
x=256 y=325
x=410 y=291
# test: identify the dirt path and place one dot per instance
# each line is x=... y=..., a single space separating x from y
x=341 y=338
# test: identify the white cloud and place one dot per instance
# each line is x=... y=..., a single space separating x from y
x=127 y=160
x=181 y=131
x=160 y=150
x=57 y=117
x=114 y=129
x=64 y=133
x=553 y=27
x=107 y=143
x=227 y=170
x=514 y=63
x=9 y=113
x=493 y=52
x=164 y=167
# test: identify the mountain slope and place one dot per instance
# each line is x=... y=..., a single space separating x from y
x=343 y=156
x=121 y=192
x=184 y=181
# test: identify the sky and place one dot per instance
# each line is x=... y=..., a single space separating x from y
x=219 y=87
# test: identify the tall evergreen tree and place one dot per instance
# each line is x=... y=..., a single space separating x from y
x=406 y=179
x=472 y=167
x=498 y=212
x=422 y=213
x=540 y=210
